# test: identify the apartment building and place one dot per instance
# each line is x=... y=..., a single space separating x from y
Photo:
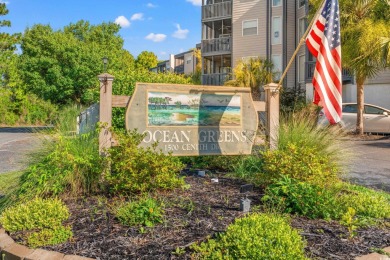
x=182 y=63
x=233 y=30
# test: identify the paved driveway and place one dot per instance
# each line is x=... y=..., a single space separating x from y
x=15 y=145
x=370 y=165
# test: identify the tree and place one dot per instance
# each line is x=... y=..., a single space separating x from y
x=253 y=73
x=61 y=66
x=7 y=51
x=197 y=74
x=146 y=60
x=365 y=41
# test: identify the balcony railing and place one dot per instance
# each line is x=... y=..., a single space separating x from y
x=216 y=79
x=310 y=66
x=219 y=10
x=223 y=44
x=179 y=69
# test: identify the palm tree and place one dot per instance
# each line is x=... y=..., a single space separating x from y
x=253 y=73
x=365 y=43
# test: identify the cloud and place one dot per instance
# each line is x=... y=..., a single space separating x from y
x=180 y=33
x=195 y=2
x=137 y=16
x=159 y=37
x=122 y=21
x=4 y=2
x=150 y=5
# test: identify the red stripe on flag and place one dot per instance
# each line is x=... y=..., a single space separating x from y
x=326 y=110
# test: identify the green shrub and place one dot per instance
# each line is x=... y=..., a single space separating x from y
x=72 y=166
x=19 y=108
x=137 y=169
x=366 y=202
x=257 y=236
x=297 y=197
x=300 y=162
x=71 y=163
x=249 y=168
x=224 y=163
x=144 y=212
x=47 y=237
x=34 y=214
x=328 y=202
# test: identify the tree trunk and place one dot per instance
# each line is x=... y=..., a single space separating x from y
x=360 y=106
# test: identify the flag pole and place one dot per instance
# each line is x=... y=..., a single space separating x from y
x=299 y=46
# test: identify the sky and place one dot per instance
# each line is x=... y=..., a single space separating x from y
x=161 y=26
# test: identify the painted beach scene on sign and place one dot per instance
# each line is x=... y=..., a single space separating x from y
x=182 y=109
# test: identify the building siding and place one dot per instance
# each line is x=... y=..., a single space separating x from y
x=290 y=23
x=383 y=77
x=252 y=45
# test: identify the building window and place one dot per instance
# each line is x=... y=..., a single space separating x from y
x=188 y=60
x=277 y=62
x=301 y=68
x=276 y=3
x=249 y=27
x=301 y=3
x=301 y=27
x=276 y=30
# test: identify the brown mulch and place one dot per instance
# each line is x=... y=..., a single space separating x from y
x=192 y=215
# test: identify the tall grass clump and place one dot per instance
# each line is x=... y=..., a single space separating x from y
x=71 y=165
x=300 y=128
x=306 y=152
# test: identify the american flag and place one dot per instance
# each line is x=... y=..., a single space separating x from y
x=323 y=41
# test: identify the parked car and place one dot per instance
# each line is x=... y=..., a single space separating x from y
x=376 y=119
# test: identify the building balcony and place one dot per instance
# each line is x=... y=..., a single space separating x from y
x=179 y=69
x=217 y=11
x=309 y=73
x=222 y=45
x=216 y=79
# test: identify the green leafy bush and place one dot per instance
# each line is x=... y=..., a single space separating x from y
x=293 y=196
x=257 y=236
x=19 y=108
x=144 y=212
x=366 y=202
x=328 y=202
x=224 y=163
x=47 y=236
x=34 y=214
x=299 y=162
x=137 y=169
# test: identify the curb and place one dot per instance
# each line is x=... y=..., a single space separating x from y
x=9 y=250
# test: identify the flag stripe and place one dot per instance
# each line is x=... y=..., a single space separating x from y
x=323 y=41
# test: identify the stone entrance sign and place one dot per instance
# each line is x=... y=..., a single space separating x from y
x=193 y=120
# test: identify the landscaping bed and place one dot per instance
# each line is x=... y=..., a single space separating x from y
x=193 y=214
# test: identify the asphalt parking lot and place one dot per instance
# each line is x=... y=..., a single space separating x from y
x=16 y=144
x=369 y=162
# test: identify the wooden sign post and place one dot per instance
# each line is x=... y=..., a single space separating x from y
x=105 y=137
